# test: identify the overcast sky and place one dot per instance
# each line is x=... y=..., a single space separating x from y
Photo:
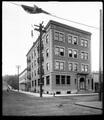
x=16 y=29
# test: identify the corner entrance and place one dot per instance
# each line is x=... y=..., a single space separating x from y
x=82 y=83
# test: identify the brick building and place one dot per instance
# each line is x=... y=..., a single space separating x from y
x=66 y=60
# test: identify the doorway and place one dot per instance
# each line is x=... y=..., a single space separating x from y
x=82 y=83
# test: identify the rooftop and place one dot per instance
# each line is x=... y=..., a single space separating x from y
x=61 y=25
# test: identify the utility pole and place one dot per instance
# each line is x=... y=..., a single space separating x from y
x=41 y=30
x=18 y=67
x=101 y=57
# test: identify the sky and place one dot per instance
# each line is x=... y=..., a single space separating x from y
x=16 y=29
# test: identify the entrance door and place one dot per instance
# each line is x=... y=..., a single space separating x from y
x=82 y=84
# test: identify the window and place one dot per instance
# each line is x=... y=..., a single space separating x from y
x=57 y=65
x=88 y=81
x=75 y=66
x=75 y=81
x=34 y=62
x=86 y=56
x=57 y=79
x=47 y=80
x=56 y=36
x=47 y=66
x=62 y=51
x=59 y=51
x=32 y=65
x=61 y=37
x=47 y=38
x=47 y=52
x=35 y=72
x=70 y=52
x=74 y=40
x=35 y=82
x=61 y=65
x=62 y=79
x=56 y=50
x=82 y=42
x=86 y=68
x=82 y=55
x=32 y=83
x=69 y=39
x=68 y=80
x=34 y=53
x=82 y=67
x=75 y=53
x=32 y=74
x=85 y=43
x=70 y=66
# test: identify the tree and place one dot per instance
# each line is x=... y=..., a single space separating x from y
x=12 y=80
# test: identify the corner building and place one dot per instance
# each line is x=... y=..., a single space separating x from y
x=66 y=60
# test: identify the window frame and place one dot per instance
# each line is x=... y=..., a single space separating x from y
x=69 y=35
x=84 y=52
x=47 y=66
x=70 y=63
x=84 y=67
x=84 y=39
x=61 y=65
x=58 y=79
x=47 y=38
x=69 y=49
x=68 y=81
x=58 y=53
x=76 y=53
x=74 y=36
x=59 y=61
x=63 y=80
x=57 y=36
x=47 y=52
x=61 y=37
x=58 y=68
x=75 y=63
x=47 y=80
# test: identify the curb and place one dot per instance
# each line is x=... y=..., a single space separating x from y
x=89 y=106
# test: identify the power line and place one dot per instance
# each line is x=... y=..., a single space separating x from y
x=66 y=19
x=73 y=21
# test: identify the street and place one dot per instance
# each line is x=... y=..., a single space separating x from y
x=19 y=104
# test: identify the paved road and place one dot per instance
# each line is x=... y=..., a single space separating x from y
x=20 y=104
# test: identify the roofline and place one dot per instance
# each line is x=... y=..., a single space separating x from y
x=68 y=27
x=23 y=71
x=60 y=24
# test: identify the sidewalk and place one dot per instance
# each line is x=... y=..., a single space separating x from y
x=91 y=104
x=56 y=95
x=34 y=94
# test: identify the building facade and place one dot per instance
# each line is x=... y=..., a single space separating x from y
x=66 y=60
x=23 y=81
x=95 y=79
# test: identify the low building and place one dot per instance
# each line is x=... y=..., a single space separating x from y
x=23 y=81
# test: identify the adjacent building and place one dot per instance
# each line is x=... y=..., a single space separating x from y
x=66 y=60
x=95 y=79
x=23 y=81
